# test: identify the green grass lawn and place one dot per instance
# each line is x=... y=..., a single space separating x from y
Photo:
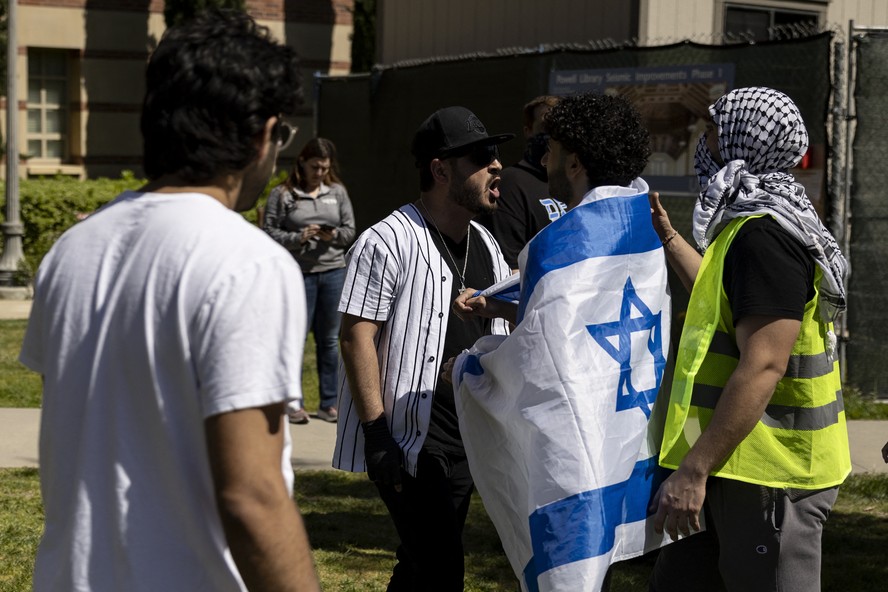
x=354 y=541
x=353 y=538
x=19 y=387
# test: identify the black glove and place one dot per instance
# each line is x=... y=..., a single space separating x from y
x=381 y=453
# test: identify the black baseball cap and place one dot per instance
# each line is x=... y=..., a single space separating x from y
x=449 y=132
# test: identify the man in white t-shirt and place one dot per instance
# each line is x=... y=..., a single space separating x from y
x=165 y=331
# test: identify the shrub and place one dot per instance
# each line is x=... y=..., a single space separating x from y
x=49 y=206
x=859 y=405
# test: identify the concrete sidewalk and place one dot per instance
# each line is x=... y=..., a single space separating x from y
x=20 y=429
x=313 y=442
x=14 y=309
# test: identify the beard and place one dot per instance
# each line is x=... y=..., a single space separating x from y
x=471 y=197
x=560 y=187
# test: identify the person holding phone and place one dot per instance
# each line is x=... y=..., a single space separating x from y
x=311 y=215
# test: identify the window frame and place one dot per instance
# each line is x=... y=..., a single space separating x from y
x=42 y=79
x=813 y=8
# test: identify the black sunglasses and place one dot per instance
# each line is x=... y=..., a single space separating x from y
x=284 y=132
x=479 y=155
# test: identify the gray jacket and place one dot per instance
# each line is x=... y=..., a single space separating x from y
x=288 y=211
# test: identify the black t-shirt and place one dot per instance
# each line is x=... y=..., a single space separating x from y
x=523 y=209
x=444 y=425
x=767 y=272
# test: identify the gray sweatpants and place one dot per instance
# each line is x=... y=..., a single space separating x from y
x=757 y=539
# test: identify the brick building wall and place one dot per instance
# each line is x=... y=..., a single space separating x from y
x=105 y=44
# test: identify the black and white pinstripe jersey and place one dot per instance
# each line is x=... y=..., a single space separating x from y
x=396 y=274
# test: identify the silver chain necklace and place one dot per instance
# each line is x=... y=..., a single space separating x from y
x=462 y=276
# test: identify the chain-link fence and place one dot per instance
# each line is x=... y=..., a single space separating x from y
x=372 y=118
x=867 y=348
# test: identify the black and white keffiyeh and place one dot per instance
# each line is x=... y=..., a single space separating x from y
x=760 y=136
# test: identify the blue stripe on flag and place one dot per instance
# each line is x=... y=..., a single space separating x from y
x=472 y=366
x=583 y=525
x=607 y=227
x=510 y=294
x=530 y=577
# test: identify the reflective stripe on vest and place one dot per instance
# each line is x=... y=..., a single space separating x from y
x=779 y=416
x=801 y=440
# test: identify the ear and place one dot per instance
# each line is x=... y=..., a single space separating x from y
x=573 y=167
x=265 y=140
x=440 y=171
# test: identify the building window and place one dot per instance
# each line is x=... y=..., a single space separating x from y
x=744 y=20
x=47 y=104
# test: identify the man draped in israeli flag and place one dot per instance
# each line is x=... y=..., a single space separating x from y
x=555 y=417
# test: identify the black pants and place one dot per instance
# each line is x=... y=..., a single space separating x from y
x=429 y=514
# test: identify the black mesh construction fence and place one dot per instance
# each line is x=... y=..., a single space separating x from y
x=867 y=348
x=371 y=118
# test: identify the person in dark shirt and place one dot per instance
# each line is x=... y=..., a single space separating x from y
x=755 y=428
x=525 y=206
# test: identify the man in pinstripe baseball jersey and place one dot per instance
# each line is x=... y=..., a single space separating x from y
x=397 y=419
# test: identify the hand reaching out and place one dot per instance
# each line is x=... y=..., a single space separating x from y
x=467 y=305
x=660 y=218
x=683 y=258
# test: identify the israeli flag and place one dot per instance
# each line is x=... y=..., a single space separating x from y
x=556 y=416
x=507 y=290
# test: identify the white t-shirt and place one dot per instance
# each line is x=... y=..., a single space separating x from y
x=153 y=314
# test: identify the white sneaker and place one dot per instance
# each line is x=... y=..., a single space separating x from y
x=297 y=416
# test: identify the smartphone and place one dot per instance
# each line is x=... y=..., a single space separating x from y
x=327 y=227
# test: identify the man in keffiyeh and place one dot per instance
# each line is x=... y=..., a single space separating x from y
x=755 y=428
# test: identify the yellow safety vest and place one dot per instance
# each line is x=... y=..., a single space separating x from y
x=802 y=440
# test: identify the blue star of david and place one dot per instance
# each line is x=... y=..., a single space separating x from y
x=627 y=396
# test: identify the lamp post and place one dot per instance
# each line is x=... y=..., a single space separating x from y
x=12 y=228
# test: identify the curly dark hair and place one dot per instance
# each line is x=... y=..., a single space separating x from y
x=606 y=134
x=211 y=86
